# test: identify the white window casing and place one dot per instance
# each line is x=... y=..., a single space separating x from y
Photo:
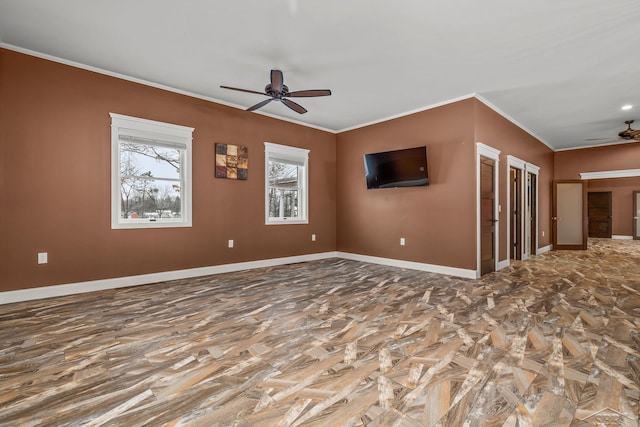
x=289 y=159
x=143 y=176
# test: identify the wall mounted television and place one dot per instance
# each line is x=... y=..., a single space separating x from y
x=397 y=168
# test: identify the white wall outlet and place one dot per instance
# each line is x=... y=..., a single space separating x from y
x=499 y=208
x=230 y=243
x=402 y=241
x=313 y=237
x=43 y=257
x=542 y=233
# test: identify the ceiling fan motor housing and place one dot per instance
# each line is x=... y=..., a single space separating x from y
x=268 y=89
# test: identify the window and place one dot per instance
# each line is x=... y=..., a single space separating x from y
x=286 y=184
x=150 y=173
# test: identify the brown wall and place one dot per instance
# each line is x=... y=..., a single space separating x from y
x=55 y=180
x=499 y=133
x=569 y=164
x=438 y=221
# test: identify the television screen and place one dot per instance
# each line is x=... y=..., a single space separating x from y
x=398 y=168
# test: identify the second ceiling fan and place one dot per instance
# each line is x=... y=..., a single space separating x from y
x=626 y=135
x=629 y=133
x=278 y=91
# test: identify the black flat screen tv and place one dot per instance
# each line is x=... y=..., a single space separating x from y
x=398 y=168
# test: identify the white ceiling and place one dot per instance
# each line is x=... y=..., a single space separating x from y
x=560 y=69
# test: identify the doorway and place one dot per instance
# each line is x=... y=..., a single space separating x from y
x=522 y=202
x=532 y=215
x=636 y=215
x=487 y=216
x=569 y=215
x=515 y=212
x=599 y=213
x=487 y=185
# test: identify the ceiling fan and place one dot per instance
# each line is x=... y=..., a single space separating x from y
x=626 y=135
x=629 y=133
x=278 y=91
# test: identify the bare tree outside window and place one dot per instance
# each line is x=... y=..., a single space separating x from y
x=151 y=173
x=154 y=193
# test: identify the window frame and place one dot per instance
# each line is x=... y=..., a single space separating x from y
x=164 y=134
x=285 y=153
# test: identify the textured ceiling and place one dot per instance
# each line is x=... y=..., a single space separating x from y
x=560 y=69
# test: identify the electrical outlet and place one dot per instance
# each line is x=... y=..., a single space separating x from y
x=313 y=237
x=402 y=241
x=43 y=257
x=542 y=233
x=230 y=243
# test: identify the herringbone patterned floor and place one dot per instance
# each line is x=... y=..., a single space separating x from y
x=553 y=341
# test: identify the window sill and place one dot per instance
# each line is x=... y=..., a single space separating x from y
x=286 y=221
x=150 y=224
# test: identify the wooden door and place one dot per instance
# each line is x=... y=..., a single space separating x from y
x=599 y=213
x=569 y=215
x=515 y=208
x=487 y=216
x=636 y=215
x=533 y=214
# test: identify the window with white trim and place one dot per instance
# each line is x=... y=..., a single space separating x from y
x=286 y=184
x=150 y=173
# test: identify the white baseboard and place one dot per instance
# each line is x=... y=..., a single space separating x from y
x=618 y=237
x=503 y=264
x=544 y=249
x=432 y=268
x=21 y=295
x=144 y=279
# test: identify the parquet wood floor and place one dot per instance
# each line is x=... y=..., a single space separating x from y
x=553 y=341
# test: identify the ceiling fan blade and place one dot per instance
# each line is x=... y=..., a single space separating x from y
x=260 y=104
x=243 y=90
x=308 y=93
x=604 y=139
x=276 y=80
x=295 y=107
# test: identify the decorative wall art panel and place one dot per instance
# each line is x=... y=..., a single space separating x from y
x=232 y=161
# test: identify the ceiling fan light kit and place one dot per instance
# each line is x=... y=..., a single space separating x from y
x=278 y=91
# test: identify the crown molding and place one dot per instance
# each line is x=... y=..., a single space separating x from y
x=152 y=84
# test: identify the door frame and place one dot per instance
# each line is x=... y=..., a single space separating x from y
x=525 y=231
x=532 y=238
x=515 y=163
x=483 y=150
x=554 y=217
x=514 y=214
x=634 y=215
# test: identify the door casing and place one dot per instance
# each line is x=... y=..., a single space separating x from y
x=577 y=212
x=485 y=151
x=529 y=207
x=515 y=213
x=636 y=215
